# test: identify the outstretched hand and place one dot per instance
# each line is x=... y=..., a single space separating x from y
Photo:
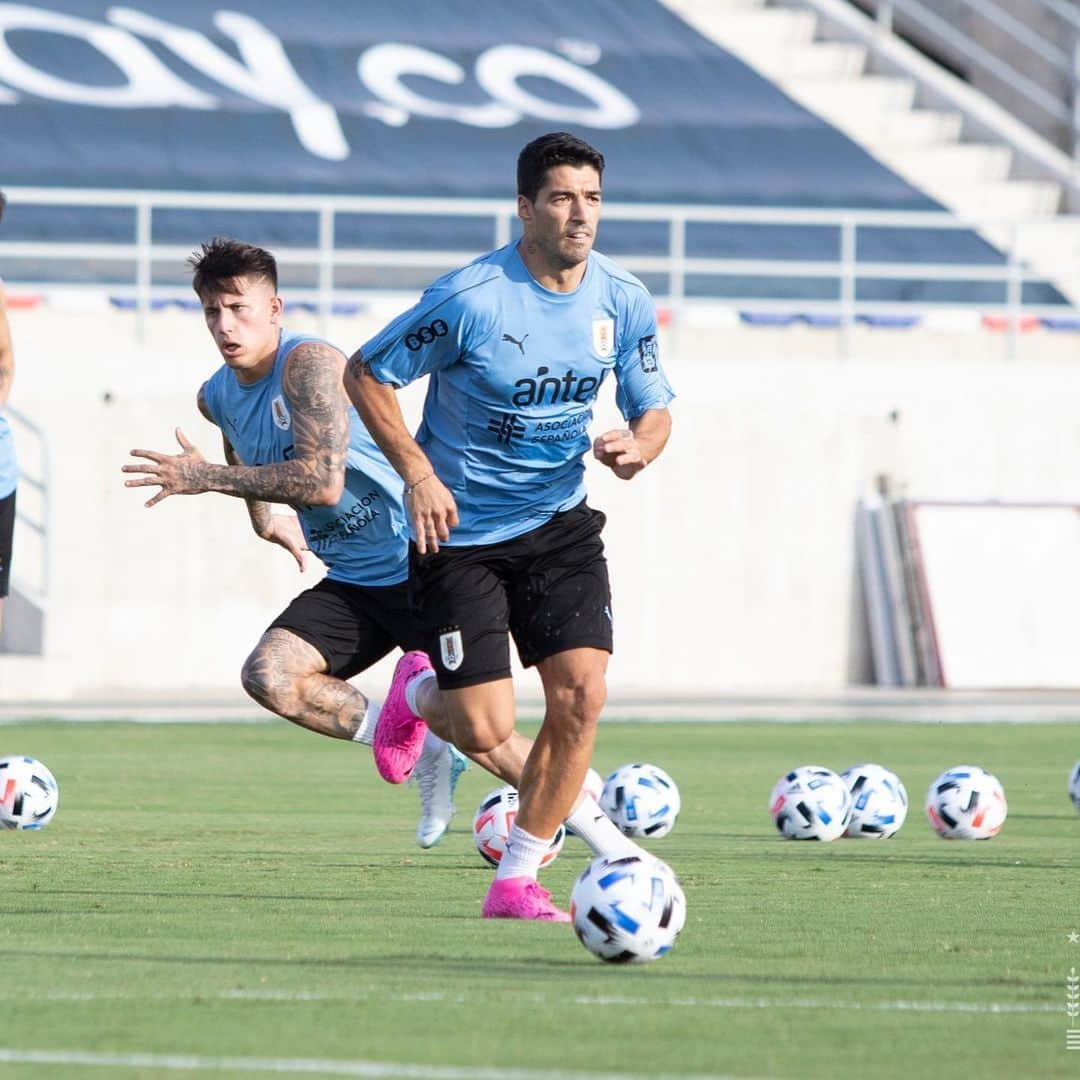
x=175 y=474
x=620 y=452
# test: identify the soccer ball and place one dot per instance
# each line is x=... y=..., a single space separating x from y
x=1074 y=785
x=28 y=793
x=492 y=824
x=966 y=803
x=627 y=910
x=642 y=800
x=810 y=803
x=879 y=802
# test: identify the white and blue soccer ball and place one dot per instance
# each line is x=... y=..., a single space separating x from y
x=1074 y=785
x=642 y=800
x=629 y=909
x=966 y=803
x=493 y=820
x=879 y=802
x=810 y=803
x=28 y=793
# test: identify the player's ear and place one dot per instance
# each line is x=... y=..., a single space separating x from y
x=277 y=306
x=524 y=209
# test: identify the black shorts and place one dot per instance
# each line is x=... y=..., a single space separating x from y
x=353 y=626
x=548 y=589
x=7 y=535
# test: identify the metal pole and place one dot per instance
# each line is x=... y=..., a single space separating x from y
x=883 y=16
x=326 y=266
x=847 y=284
x=502 y=230
x=677 y=268
x=143 y=211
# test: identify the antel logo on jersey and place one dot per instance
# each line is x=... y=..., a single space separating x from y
x=280 y=412
x=425 y=335
x=552 y=390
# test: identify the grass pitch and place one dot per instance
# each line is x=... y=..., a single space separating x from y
x=240 y=900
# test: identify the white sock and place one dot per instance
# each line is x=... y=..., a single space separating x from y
x=523 y=854
x=365 y=733
x=412 y=688
x=433 y=747
x=589 y=822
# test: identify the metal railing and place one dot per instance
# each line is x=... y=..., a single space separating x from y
x=678 y=277
x=1061 y=55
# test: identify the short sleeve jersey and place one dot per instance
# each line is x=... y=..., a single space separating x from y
x=363 y=539
x=9 y=465
x=514 y=371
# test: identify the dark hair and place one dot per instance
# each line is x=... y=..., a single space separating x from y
x=3 y=203
x=548 y=151
x=221 y=262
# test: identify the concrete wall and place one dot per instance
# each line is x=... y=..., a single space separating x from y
x=732 y=558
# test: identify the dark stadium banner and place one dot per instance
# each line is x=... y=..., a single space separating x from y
x=426 y=97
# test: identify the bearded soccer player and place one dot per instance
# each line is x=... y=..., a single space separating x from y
x=516 y=346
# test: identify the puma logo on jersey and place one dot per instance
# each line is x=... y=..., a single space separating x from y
x=514 y=341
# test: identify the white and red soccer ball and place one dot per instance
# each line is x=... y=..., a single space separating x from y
x=966 y=803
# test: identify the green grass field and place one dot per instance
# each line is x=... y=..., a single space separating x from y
x=210 y=893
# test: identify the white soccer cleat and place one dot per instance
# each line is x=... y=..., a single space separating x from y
x=437 y=782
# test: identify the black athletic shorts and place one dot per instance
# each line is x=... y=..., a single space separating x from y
x=353 y=626
x=7 y=535
x=548 y=589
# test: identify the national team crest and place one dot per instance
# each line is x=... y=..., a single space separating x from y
x=603 y=336
x=451 y=649
x=280 y=412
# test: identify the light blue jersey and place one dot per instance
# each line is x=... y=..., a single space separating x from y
x=363 y=540
x=9 y=464
x=515 y=369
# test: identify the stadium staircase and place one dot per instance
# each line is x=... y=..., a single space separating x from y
x=839 y=64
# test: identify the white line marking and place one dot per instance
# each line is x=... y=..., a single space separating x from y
x=824 y=1004
x=329 y=1067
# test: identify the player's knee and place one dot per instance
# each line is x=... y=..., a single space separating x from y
x=578 y=700
x=263 y=682
x=478 y=734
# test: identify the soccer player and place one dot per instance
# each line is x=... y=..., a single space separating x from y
x=516 y=346
x=290 y=437
x=9 y=468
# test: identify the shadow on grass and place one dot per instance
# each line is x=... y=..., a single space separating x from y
x=406 y=966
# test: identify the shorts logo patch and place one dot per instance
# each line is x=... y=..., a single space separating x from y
x=280 y=412
x=603 y=336
x=451 y=649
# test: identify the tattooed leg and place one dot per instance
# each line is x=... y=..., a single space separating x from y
x=288 y=676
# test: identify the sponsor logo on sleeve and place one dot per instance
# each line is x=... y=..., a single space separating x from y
x=603 y=336
x=280 y=412
x=426 y=335
x=451 y=649
x=647 y=353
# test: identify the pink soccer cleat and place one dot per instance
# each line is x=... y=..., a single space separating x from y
x=521 y=898
x=399 y=734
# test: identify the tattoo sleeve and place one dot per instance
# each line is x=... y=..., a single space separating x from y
x=312 y=384
x=357 y=365
x=258 y=511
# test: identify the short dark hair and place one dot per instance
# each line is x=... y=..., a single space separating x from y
x=548 y=151
x=3 y=205
x=221 y=262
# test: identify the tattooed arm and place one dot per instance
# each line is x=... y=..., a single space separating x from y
x=7 y=353
x=315 y=476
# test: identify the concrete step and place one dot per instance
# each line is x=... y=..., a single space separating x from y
x=819 y=60
x=754 y=30
x=902 y=128
x=1009 y=200
x=961 y=163
x=834 y=99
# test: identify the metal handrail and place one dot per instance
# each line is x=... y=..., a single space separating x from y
x=327 y=258
x=1067 y=62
